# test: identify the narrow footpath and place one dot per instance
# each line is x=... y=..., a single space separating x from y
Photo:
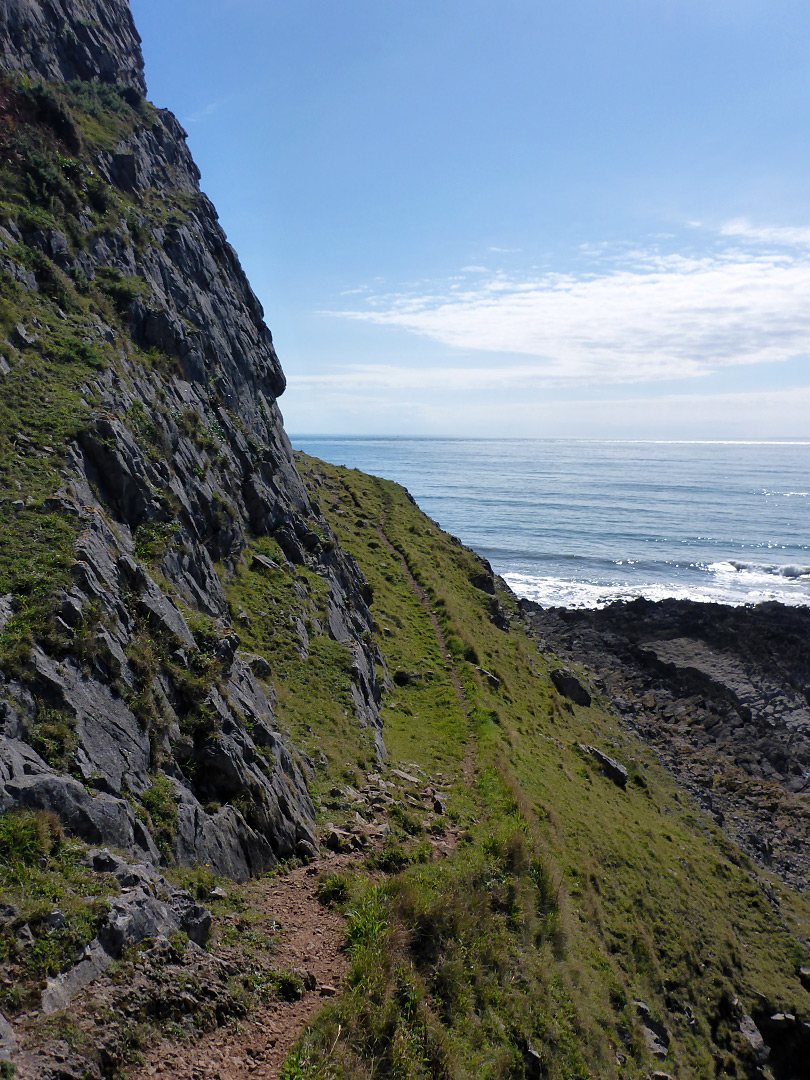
x=305 y=936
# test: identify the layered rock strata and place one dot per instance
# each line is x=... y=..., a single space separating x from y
x=177 y=465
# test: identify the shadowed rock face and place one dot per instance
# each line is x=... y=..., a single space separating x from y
x=214 y=468
x=723 y=693
x=94 y=40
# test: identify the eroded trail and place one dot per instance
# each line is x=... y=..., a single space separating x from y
x=308 y=939
x=305 y=938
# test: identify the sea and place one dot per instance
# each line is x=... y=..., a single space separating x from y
x=581 y=523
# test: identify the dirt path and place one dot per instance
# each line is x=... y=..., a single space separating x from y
x=311 y=942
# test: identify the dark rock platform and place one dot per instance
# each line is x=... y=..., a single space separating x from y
x=722 y=694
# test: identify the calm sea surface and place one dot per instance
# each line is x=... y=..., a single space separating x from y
x=579 y=523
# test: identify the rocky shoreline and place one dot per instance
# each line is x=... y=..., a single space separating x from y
x=723 y=696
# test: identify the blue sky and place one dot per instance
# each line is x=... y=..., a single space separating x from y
x=527 y=218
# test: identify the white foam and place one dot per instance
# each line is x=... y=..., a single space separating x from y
x=717 y=588
x=789 y=571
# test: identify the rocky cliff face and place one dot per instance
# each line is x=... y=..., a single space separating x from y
x=145 y=467
x=72 y=39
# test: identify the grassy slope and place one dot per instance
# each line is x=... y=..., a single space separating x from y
x=652 y=902
x=594 y=895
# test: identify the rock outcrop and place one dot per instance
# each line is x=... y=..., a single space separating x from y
x=72 y=39
x=126 y=705
x=723 y=694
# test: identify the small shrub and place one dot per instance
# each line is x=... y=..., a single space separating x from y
x=391 y=859
x=28 y=836
x=160 y=803
x=407 y=821
x=334 y=889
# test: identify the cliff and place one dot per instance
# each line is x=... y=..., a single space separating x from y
x=144 y=459
x=524 y=844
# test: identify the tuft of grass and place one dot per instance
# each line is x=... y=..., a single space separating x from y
x=26 y=838
x=59 y=903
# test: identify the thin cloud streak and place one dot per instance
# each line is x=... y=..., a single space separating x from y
x=659 y=317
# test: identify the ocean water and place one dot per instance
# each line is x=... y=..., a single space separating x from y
x=582 y=523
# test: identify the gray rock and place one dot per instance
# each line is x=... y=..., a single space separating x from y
x=97 y=818
x=8 y=913
x=261 y=562
x=148 y=908
x=154 y=603
x=123 y=474
x=8 y=1040
x=610 y=768
x=59 y=991
x=752 y=1035
x=258 y=665
x=49 y=41
x=56 y=920
x=485 y=582
x=6 y=610
x=570 y=687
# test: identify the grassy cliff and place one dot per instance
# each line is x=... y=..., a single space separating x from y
x=575 y=918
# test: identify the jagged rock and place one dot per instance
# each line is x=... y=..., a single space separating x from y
x=752 y=1035
x=149 y=907
x=497 y=616
x=99 y=818
x=59 y=39
x=8 y=1040
x=258 y=665
x=400 y=774
x=338 y=840
x=612 y=769
x=191 y=451
x=154 y=603
x=656 y=1036
x=8 y=913
x=484 y=582
x=261 y=562
x=493 y=680
x=570 y=687
x=6 y=611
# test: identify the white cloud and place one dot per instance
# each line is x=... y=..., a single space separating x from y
x=767 y=234
x=656 y=317
x=207 y=110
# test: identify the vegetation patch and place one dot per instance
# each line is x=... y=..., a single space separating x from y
x=53 y=904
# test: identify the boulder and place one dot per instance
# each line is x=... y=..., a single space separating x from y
x=610 y=768
x=570 y=687
x=8 y=1040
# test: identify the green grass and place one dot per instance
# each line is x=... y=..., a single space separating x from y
x=41 y=871
x=650 y=901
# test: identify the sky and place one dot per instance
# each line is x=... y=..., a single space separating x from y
x=511 y=218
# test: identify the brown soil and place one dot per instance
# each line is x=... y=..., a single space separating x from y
x=311 y=942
